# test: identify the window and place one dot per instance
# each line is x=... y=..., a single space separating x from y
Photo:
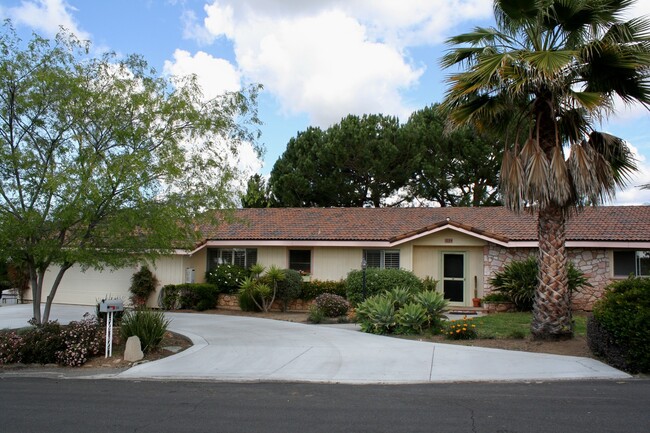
x=244 y=257
x=300 y=260
x=627 y=262
x=383 y=259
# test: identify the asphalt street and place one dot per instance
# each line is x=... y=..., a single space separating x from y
x=74 y=405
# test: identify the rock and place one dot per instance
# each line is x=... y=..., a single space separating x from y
x=133 y=350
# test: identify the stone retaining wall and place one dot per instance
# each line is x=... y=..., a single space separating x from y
x=231 y=302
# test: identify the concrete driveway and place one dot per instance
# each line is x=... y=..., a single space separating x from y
x=243 y=349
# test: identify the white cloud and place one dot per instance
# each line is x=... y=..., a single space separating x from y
x=324 y=65
x=330 y=58
x=46 y=16
x=215 y=76
x=193 y=30
x=633 y=195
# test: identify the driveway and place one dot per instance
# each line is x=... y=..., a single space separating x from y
x=244 y=349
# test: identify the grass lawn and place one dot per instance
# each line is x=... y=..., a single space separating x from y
x=517 y=325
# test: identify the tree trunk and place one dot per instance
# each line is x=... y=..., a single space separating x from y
x=55 y=286
x=552 y=308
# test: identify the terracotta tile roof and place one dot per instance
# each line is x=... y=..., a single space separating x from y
x=616 y=223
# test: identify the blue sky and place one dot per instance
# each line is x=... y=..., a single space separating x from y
x=318 y=60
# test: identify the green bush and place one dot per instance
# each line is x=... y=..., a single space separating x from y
x=434 y=304
x=315 y=315
x=41 y=343
x=518 y=280
x=497 y=297
x=411 y=318
x=194 y=296
x=379 y=281
x=149 y=325
x=620 y=328
x=143 y=284
x=227 y=278
x=311 y=289
x=332 y=305
x=289 y=288
x=376 y=315
x=246 y=302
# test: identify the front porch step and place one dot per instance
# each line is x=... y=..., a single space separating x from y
x=469 y=311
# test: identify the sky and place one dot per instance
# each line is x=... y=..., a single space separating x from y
x=318 y=60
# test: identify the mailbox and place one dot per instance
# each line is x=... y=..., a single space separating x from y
x=111 y=305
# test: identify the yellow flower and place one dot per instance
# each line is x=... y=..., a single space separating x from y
x=457 y=331
x=473 y=326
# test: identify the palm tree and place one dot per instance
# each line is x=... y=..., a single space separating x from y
x=544 y=76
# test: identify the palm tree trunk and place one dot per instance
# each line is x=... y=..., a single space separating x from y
x=552 y=308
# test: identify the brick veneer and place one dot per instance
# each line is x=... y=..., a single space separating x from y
x=594 y=263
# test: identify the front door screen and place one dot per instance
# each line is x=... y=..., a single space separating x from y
x=454 y=277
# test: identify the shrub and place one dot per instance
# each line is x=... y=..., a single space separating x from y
x=620 y=328
x=81 y=341
x=311 y=289
x=150 y=326
x=434 y=304
x=410 y=318
x=376 y=315
x=40 y=343
x=379 y=281
x=10 y=344
x=496 y=297
x=289 y=288
x=400 y=296
x=193 y=296
x=315 y=315
x=143 y=284
x=332 y=305
x=460 y=330
x=518 y=280
x=227 y=278
x=71 y=345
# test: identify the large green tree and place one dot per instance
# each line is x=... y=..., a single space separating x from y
x=457 y=168
x=360 y=161
x=102 y=162
x=545 y=75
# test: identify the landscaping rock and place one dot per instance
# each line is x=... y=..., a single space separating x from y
x=133 y=350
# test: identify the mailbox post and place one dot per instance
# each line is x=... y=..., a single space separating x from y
x=110 y=306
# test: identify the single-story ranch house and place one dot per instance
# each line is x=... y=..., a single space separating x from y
x=459 y=247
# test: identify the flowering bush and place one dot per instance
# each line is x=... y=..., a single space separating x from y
x=332 y=305
x=81 y=341
x=10 y=344
x=460 y=330
x=227 y=278
x=70 y=345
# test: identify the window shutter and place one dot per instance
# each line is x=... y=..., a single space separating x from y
x=391 y=259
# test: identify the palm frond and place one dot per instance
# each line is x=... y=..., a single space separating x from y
x=616 y=153
x=537 y=177
x=583 y=171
